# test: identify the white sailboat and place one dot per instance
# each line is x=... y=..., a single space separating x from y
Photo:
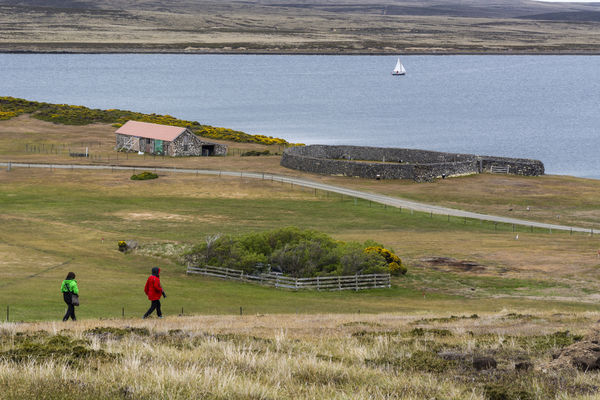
x=399 y=69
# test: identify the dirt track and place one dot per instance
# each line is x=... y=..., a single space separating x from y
x=377 y=198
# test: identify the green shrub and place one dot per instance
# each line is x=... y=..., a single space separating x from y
x=496 y=391
x=297 y=253
x=144 y=176
x=427 y=361
x=59 y=348
x=394 y=263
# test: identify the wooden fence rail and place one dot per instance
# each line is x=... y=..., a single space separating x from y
x=348 y=282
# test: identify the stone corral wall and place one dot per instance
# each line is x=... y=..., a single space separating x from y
x=392 y=163
x=516 y=166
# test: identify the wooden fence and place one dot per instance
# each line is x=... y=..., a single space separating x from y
x=348 y=282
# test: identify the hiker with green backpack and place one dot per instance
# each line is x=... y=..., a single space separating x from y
x=70 y=293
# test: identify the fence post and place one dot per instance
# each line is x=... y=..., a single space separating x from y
x=339 y=282
x=318 y=284
x=356 y=282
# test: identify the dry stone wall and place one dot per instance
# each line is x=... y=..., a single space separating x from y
x=393 y=163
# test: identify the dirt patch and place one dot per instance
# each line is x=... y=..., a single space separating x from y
x=163 y=216
x=145 y=216
x=441 y=263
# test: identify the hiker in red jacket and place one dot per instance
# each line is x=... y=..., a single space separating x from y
x=153 y=290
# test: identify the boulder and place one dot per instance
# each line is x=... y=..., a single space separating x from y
x=481 y=363
x=583 y=355
x=524 y=366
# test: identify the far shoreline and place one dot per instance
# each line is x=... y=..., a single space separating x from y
x=307 y=53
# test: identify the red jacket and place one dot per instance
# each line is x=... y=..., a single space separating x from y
x=153 y=289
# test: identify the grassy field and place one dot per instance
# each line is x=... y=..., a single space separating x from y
x=383 y=356
x=551 y=198
x=57 y=221
x=472 y=290
x=319 y=26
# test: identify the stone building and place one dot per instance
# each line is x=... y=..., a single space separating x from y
x=164 y=140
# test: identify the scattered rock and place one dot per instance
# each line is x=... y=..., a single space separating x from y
x=480 y=363
x=524 y=366
x=583 y=355
x=125 y=246
x=587 y=362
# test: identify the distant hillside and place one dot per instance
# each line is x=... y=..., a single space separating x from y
x=295 y=26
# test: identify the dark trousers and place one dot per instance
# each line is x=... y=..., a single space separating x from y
x=70 y=307
x=154 y=306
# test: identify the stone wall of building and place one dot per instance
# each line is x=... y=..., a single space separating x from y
x=186 y=144
x=390 y=163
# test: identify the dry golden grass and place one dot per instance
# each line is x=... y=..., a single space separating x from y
x=384 y=356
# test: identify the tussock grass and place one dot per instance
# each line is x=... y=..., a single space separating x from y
x=289 y=356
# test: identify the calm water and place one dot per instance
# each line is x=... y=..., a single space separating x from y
x=543 y=107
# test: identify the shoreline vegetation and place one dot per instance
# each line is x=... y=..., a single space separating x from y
x=311 y=27
x=66 y=114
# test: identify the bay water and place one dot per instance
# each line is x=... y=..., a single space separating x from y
x=541 y=107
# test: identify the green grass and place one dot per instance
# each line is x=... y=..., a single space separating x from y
x=55 y=222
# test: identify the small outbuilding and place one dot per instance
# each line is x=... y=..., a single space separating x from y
x=166 y=140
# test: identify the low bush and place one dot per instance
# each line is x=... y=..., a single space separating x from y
x=394 y=263
x=294 y=252
x=60 y=348
x=144 y=176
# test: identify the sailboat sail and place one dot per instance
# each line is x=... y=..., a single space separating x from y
x=399 y=69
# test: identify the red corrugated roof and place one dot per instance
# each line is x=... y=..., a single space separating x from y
x=151 y=131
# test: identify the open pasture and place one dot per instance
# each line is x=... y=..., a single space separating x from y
x=55 y=221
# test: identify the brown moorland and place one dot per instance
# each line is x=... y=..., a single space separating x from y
x=316 y=26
